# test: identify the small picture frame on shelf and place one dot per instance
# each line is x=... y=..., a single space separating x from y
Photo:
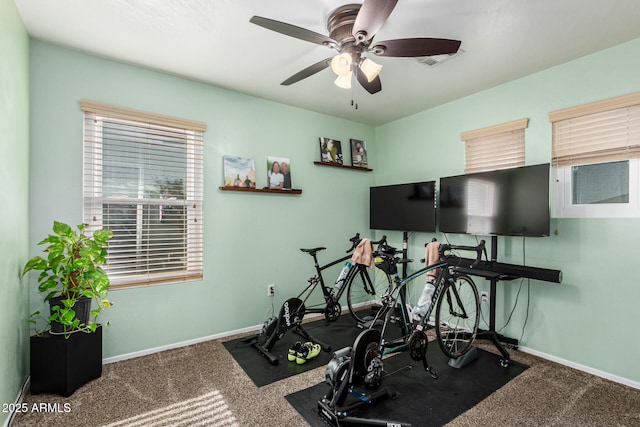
x=330 y=151
x=239 y=172
x=279 y=173
x=359 y=153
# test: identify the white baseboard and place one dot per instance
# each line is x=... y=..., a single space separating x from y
x=587 y=369
x=179 y=344
x=153 y=350
x=18 y=401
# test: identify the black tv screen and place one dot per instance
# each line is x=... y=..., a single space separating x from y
x=509 y=202
x=403 y=207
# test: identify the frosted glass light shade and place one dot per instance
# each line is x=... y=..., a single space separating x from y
x=370 y=69
x=340 y=64
x=344 y=80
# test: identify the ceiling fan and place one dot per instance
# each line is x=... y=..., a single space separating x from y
x=351 y=31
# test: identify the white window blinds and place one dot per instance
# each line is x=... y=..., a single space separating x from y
x=602 y=131
x=495 y=147
x=143 y=179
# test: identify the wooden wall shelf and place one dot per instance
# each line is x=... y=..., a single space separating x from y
x=261 y=190
x=337 y=165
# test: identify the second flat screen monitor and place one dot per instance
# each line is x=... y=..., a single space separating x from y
x=508 y=202
x=403 y=207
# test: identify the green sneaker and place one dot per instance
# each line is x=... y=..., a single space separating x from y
x=293 y=352
x=308 y=351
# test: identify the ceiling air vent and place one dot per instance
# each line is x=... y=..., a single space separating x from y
x=432 y=61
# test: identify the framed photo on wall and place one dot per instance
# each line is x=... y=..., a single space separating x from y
x=330 y=151
x=279 y=173
x=239 y=172
x=359 y=153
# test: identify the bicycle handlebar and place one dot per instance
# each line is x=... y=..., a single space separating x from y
x=356 y=239
x=479 y=250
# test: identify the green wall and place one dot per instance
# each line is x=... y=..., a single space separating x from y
x=587 y=319
x=250 y=239
x=14 y=189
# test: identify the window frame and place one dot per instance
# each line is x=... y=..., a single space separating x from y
x=94 y=199
x=564 y=207
x=585 y=152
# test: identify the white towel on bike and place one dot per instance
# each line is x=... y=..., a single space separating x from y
x=364 y=253
x=432 y=256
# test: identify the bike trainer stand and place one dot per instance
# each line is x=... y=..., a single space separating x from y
x=465 y=359
x=274 y=329
x=333 y=407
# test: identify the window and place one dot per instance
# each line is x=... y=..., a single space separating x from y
x=143 y=180
x=495 y=147
x=596 y=151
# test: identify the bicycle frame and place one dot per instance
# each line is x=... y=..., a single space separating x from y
x=398 y=294
x=316 y=280
x=397 y=297
x=328 y=291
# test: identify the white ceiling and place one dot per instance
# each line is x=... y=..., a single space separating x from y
x=214 y=42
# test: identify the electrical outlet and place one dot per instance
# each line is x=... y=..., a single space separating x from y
x=271 y=290
x=484 y=297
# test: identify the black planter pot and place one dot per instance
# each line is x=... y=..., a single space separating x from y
x=62 y=364
x=82 y=308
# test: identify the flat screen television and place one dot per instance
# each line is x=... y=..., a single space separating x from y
x=509 y=202
x=403 y=207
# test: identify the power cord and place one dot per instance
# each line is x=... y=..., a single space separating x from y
x=524 y=262
x=526 y=318
x=513 y=309
x=527 y=313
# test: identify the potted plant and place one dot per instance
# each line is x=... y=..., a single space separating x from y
x=71 y=280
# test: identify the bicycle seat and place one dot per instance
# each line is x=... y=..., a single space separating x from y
x=312 y=251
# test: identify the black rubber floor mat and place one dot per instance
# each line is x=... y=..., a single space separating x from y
x=339 y=334
x=421 y=400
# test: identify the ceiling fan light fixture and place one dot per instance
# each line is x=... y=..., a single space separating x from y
x=344 y=80
x=340 y=64
x=370 y=69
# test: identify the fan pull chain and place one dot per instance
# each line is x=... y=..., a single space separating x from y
x=354 y=90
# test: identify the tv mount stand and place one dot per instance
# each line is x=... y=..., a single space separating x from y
x=495 y=271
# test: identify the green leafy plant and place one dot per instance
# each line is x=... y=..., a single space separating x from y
x=71 y=271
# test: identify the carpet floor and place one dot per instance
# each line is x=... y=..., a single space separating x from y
x=203 y=385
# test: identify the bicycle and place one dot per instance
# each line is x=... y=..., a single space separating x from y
x=457 y=316
x=361 y=290
x=354 y=279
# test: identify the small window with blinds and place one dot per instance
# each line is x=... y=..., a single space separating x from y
x=495 y=147
x=596 y=148
x=143 y=180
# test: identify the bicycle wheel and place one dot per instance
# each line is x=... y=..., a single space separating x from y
x=365 y=289
x=457 y=316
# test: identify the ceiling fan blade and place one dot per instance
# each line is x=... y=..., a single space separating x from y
x=416 y=47
x=307 y=72
x=373 y=86
x=293 y=31
x=371 y=17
